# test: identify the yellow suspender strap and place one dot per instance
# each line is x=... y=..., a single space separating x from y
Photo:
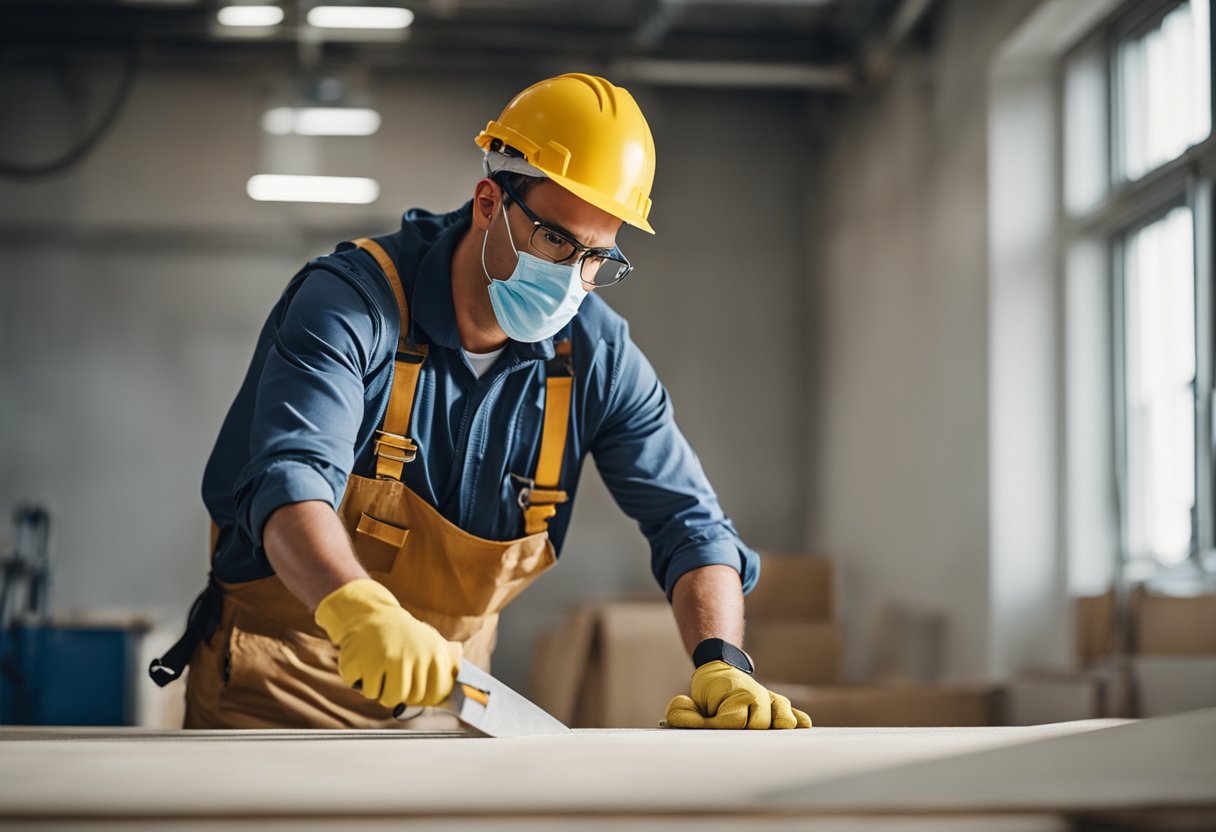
x=541 y=499
x=393 y=447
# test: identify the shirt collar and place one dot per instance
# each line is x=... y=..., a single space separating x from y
x=431 y=306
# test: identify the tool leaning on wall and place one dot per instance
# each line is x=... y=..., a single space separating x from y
x=28 y=567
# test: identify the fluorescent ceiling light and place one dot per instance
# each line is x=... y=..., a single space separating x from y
x=360 y=17
x=250 y=16
x=351 y=190
x=321 y=121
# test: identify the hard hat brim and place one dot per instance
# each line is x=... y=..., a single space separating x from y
x=597 y=199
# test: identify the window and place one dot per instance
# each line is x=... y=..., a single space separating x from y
x=1159 y=378
x=1164 y=88
x=1137 y=164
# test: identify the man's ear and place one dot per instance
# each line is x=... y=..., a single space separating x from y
x=486 y=196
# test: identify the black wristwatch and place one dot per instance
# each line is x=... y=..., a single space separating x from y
x=717 y=650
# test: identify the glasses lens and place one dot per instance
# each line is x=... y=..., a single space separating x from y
x=548 y=243
x=603 y=271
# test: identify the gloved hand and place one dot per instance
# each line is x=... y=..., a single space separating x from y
x=724 y=696
x=393 y=656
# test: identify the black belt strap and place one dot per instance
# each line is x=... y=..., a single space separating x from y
x=204 y=617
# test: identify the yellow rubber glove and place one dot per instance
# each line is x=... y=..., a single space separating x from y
x=393 y=656
x=723 y=696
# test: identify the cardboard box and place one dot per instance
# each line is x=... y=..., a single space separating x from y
x=1095 y=627
x=1118 y=691
x=1172 y=684
x=611 y=665
x=907 y=645
x=793 y=587
x=1167 y=625
x=798 y=652
x=840 y=706
x=642 y=662
x=560 y=663
x=1041 y=697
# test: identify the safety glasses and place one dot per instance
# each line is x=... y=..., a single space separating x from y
x=600 y=266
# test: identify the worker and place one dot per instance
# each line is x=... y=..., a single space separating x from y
x=401 y=459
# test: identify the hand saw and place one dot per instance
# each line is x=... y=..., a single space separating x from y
x=481 y=701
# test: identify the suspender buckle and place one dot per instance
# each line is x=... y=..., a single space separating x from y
x=396 y=447
x=525 y=493
x=530 y=495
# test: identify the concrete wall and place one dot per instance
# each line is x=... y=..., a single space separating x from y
x=898 y=322
x=132 y=289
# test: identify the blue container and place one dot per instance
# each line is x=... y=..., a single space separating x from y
x=68 y=675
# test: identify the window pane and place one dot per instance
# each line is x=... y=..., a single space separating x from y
x=1165 y=89
x=1086 y=167
x=1160 y=350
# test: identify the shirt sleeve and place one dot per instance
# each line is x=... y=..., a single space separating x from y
x=309 y=402
x=656 y=478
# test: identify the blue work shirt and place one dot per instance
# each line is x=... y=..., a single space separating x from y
x=318 y=386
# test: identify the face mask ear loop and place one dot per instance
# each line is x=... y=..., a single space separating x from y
x=486 y=236
x=507 y=224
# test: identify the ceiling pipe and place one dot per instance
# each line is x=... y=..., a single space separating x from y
x=872 y=67
x=878 y=57
x=667 y=12
x=720 y=74
x=655 y=27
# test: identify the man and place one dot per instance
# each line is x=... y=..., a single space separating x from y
x=401 y=458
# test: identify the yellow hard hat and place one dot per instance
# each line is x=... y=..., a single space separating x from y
x=586 y=135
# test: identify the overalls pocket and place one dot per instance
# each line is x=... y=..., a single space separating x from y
x=377 y=543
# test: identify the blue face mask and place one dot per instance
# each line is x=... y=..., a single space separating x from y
x=538 y=299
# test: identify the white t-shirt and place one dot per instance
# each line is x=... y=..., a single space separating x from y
x=482 y=361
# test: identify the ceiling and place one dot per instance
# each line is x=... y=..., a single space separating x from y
x=810 y=44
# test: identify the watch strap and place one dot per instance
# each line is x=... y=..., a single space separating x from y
x=720 y=650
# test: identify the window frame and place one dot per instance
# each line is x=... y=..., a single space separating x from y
x=1126 y=206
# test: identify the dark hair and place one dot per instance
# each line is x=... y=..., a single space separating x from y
x=521 y=183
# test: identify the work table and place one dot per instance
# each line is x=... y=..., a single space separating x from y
x=78 y=777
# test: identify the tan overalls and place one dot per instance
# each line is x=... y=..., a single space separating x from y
x=268 y=665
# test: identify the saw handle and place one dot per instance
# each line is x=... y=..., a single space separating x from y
x=402 y=712
x=405 y=712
